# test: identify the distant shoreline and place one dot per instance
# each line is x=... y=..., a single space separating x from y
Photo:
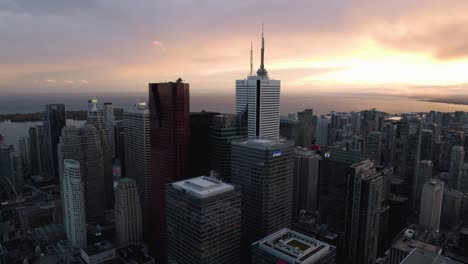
x=36 y=117
x=445 y=101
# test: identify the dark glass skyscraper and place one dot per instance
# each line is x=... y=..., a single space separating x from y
x=54 y=122
x=169 y=107
x=265 y=171
x=200 y=123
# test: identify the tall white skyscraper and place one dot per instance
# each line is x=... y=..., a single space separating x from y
x=127 y=212
x=431 y=204
x=74 y=204
x=258 y=96
x=138 y=156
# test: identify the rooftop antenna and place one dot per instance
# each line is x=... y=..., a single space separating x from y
x=251 y=58
x=262 y=72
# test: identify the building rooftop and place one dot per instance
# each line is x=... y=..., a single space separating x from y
x=418 y=256
x=294 y=247
x=202 y=187
x=98 y=248
x=264 y=143
x=135 y=254
x=412 y=238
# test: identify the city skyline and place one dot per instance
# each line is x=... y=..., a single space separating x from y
x=396 y=48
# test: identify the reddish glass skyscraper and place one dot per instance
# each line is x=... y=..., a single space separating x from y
x=169 y=107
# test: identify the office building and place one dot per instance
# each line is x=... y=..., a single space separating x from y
x=426 y=144
x=138 y=158
x=74 y=208
x=363 y=208
x=127 y=213
x=23 y=149
x=389 y=144
x=407 y=153
x=374 y=147
x=431 y=204
x=411 y=238
x=451 y=208
x=96 y=118
x=169 y=105
x=306 y=177
x=5 y=164
x=424 y=175
x=419 y=256
x=457 y=159
x=120 y=145
x=291 y=247
x=109 y=119
x=335 y=166
x=462 y=184
x=322 y=132
x=84 y=146
x=200 y=123
x=212 y=232
x=54 y=122
x=264 y=169
x=37 y=150
x=307 y=125
x=17 y=169
x=259 y=97
x=224 y=130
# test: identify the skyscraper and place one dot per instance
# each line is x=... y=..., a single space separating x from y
x=169 y=105
x=225 y=129
x=23 y=149
x=212 y=232
x=54 y=122
x=138 y=158
x=457 y=159
x=96 y=118
x=462 y=184
x=127 y=213
x=426 y=144
x=5 y=164
x=431 y=204
x=109 y=124
x=264 y=169
x=322 y=132
x=36 y=141
x=424 y=175
x=84 y=146
x=374 y=146
x=363 y=209
x=200 y=123
x=259 y=96
x=17 y=177
x=408 y=148
x=306 y=177
x=74 y=208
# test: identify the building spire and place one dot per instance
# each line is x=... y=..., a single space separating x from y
x=251 y=58
x=262 y=72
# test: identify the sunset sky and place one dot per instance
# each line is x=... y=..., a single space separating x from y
x=401 y=47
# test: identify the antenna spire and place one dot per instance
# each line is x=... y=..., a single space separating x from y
x=251 y=58
x=262 y=71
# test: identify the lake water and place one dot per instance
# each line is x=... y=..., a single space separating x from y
x=321 y=103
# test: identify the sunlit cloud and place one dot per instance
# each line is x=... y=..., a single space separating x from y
x=84 y=81
x=68 y=82
x=51 y=81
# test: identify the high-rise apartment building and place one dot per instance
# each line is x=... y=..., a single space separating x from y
x=211 y=233
x=259 y=97
x=224 y=130
x=169 y=105
x=17 y=177
x=306 y=177
x=290 y=247
x=264 y=169
x=457 y=159
x=74 y=208
x=54 y=122
x=23 y=149
x=96 y=118
x=138 y=158
x=431 y=204
x=363 y=208
x=127 y=213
